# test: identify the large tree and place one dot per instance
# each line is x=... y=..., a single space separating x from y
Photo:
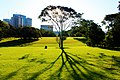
x=95 y=35
x=61 y=17
x=112 y=21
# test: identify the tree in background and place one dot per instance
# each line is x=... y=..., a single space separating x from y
x=116 y=31
x=90 y=30
x=95 y=35
x=46 y=33
x=4 y=29
x=112 y=21
x=30 y=33
x=61 y=17
x=80 y=28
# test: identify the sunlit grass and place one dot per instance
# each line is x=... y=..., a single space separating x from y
x=32 y=61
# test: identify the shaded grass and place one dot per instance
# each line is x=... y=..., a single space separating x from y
x=81 y=39
x=111 y=48
x=18 y=42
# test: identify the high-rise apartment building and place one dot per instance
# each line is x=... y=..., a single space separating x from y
x=29 y=22
x=19 y=20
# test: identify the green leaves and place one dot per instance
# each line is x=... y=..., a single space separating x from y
x=58 y=13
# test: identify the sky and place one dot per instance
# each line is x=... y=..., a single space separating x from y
x=92 y=9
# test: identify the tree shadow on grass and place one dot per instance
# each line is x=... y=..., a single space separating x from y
x=35 y=75
x=116 y=61
x=12 y=74
x=76 y=68
x=116 y=65
x=19 y=42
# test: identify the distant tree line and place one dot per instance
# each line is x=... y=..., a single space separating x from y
x=89 y=29
x=7 y=30
x=46 y=33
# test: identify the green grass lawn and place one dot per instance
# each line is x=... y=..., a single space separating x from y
x=28 y=60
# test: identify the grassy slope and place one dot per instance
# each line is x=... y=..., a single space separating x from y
x=32 y=61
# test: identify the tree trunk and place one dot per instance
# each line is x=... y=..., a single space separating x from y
x=61 y=41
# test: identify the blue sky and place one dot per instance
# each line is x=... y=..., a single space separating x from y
x=92 y=9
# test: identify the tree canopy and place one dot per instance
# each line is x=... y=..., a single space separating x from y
x=4 y=29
